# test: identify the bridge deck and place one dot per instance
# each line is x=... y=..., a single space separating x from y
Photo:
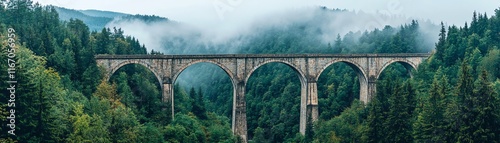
x=259 y=56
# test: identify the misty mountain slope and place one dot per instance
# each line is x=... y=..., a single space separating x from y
x=100 y=13
x=306 y=30
x=143 y=18
x=98 y=19
x=316 y=31
x=94 y=22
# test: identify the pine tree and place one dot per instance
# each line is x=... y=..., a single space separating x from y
x=375 y=128
x=399 y=116
x=430 y=125
x=485 y=121
x=395 y=122
x=192 y=100
x=464 y=92
x=338 y=45
x=198 y=106
x=103 y=42
x=441 y=45
x=41 y=94
x=202 y=111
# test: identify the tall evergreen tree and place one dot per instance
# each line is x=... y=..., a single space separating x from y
x=377 y=113
x=400 y=114
x=464 y=92
x=198 y=106
x=441 y=45
x=485 y=123
x=337 y=47
x=200 y=103
x=430 y=126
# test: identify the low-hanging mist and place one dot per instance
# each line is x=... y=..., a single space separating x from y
x=311 y=28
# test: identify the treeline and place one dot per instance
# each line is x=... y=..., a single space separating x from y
x=61 y=95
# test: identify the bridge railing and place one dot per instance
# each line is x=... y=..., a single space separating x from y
x=259 y=56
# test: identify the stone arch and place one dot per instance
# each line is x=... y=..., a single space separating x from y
x=302 y=76
x=185 y=66
x=409 y=65
x=362 y=77
x=140 y=62
x=356 y=67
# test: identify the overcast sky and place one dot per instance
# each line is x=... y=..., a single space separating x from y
x=216 y=12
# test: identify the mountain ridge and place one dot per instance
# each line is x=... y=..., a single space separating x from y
x=98 y=19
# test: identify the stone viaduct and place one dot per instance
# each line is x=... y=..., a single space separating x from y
x=239 y=68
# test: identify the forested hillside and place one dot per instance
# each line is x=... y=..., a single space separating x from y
x=61 y=95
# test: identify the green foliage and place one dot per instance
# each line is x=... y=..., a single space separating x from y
x=485 y=123
x=340 y=86
x=392 y=111
x=429 y=125
x=347 y=127
x=278 y=117
x=42 y=99
x=400 y=115
x=198 y=104
x=464 y=100
x=139 y=89
x=186 y=128
x=86 y=128
x=491 y=63
x=182 y=102
x=148 y=133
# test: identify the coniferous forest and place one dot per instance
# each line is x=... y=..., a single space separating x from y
x=61 y=94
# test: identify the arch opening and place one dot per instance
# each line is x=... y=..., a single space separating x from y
x=396 y=65
x=141 y=91
x=392 y=76
x=273 y=99
x=339 y=84
x=209 y=81
x=146 y=65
